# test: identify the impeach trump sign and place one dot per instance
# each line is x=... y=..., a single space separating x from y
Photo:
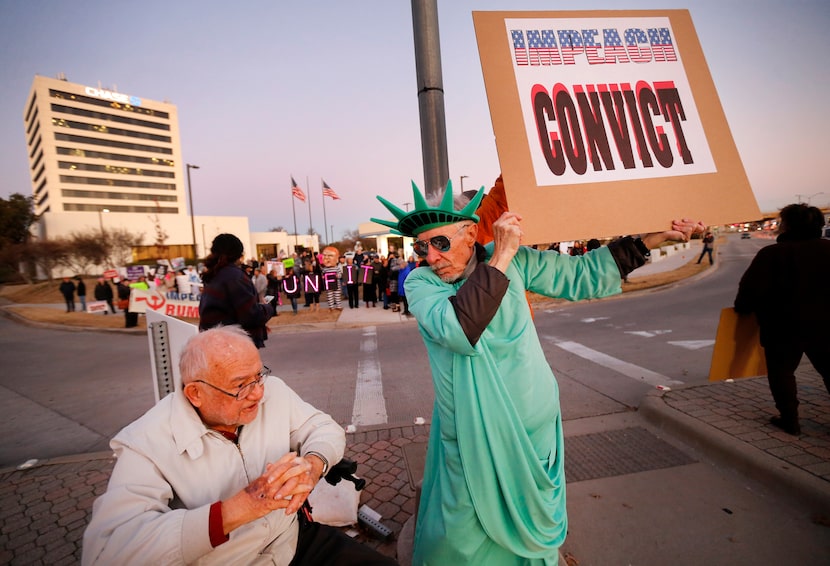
x=608 y=123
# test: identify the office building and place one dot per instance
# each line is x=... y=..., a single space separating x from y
x=100 y=160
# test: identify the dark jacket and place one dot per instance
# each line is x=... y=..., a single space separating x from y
x=103 y=291
x=230 y=298
x=67 y=289
x=786 y=286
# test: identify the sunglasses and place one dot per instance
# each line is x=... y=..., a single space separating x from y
x=440 y=243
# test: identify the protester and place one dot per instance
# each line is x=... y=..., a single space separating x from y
x=351 y=278
x=494 y=488
x=380 y=276
x=229 y=296
x=786 y=287
x=332 y=274
x=273 y=289
x=402 y=275
x=103 y=292
x=261 y=282
x=393 y=268
x=67 y=289
x=81 y=290
x=218 y=471
x=123 y=290
x=291 y=286
x=367 y=277
x=311 y=283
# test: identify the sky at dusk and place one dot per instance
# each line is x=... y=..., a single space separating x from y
x=267 y=90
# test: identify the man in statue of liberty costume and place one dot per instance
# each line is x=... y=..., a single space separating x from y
x=494 y=484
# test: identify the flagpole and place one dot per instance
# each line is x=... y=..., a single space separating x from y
x=310 y=225
x=294 y=212
x=325 y=220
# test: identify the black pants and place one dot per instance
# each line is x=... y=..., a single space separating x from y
x=354 y=296
x=782 y=360
x=703 y=253
x=321 y=545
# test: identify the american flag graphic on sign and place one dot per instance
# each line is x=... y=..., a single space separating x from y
x=519 y=49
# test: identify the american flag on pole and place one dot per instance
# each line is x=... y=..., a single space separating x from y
x=296 y=190
x=329 y=192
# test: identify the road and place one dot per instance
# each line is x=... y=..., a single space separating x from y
x=82 y=387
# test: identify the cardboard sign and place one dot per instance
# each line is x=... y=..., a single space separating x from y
x=608 y=123
x=96 y=306
x=738 y=351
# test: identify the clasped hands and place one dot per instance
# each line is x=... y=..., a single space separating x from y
x=285 y=484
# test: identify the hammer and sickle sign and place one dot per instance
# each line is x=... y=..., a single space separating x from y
x=155 y=301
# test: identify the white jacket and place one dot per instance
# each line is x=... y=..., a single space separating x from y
x=171 y=468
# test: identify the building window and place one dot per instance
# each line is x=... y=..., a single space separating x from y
x=72 y=124
x=109 y=143
x=77 y=152
x=114 y=169
x=104 y=117
x=108 y=104
x=75 y=207
x=116 y=182
x=77 y=193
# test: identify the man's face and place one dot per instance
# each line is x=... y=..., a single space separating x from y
x=223 y=412
x=449 y=265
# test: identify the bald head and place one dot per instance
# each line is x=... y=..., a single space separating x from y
x=213 y=350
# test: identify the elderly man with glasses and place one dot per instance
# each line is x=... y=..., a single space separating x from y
x=218 y=471
x=494 y=487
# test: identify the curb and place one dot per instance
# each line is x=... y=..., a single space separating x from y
x=800 y=486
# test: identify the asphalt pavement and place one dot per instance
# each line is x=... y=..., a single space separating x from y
x=701 y=461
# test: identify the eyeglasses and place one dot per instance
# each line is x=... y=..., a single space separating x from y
x=440 y=243
x=244 y=390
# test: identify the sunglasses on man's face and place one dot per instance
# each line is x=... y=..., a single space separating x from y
x=440 y=243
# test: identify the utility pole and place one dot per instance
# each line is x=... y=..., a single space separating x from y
x=430 y=96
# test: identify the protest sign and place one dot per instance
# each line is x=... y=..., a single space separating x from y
x=607 y=123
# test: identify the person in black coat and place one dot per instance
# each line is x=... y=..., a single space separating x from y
x=67 y=289
x=786 y=287
x=103 y=292
x=229 y=296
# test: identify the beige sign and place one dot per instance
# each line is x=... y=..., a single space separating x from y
x=608 y=123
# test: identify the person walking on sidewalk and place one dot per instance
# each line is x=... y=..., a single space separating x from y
x=67 y=289
x=181 y=492
x=786 y=286
x=708 y=247
x=494 y=487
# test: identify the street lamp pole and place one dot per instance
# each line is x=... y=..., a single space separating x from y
x=192 y=216
x=462 y=182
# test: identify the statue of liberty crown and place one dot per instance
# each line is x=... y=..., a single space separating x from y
x=424 y=217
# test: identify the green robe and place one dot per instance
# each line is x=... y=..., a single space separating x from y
x=494 y=483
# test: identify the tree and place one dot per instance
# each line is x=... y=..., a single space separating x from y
x=48 y=254
x=16 y=217
x=87 y=249
x=278 y=229
x=120 y=243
